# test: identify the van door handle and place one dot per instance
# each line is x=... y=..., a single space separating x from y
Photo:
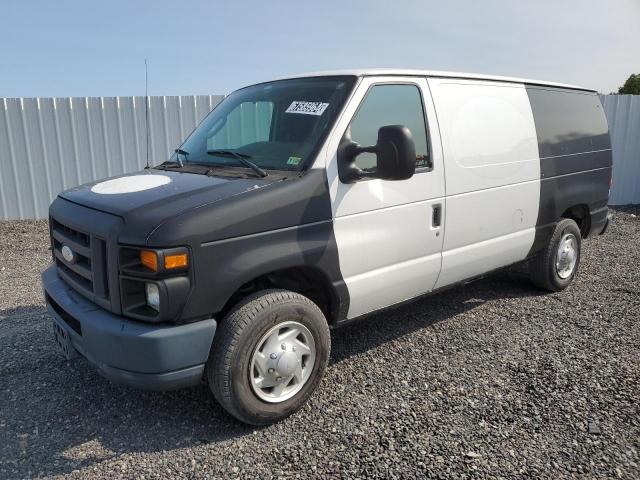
x=436 y=216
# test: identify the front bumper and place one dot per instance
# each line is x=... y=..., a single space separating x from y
x=142 y=355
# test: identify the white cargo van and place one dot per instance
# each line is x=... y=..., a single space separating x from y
x=303 y=203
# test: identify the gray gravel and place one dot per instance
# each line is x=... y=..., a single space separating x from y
x=493 y=379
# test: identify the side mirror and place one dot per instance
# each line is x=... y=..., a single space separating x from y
x=395 y=152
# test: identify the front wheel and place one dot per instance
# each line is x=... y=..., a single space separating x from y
x=268 y=356
x=557 y=264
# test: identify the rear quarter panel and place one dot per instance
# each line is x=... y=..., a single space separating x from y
x=575 y=157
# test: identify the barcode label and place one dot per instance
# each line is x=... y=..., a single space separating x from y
x=307 y=108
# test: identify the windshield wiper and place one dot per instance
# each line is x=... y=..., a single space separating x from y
x=177 y=163
x=169 y=164
x=179 y=152
x=242 y=158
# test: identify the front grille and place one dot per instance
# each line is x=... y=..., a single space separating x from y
x=87 y=272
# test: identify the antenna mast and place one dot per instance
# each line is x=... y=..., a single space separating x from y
x=146 y=106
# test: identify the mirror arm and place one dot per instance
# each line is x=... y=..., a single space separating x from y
x=357 y=149
x=363 y=174
x=347 y=153
x=352 y=150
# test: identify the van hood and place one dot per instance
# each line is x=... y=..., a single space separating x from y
x=152 y=196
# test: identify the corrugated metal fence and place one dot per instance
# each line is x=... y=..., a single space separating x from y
x=50 y=144
x=623 y=115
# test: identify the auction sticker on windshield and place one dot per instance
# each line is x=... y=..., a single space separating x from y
x=307 y=108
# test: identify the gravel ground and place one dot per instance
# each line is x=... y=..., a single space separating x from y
x=493 y=379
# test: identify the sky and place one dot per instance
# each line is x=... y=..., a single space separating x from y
x=91 y=48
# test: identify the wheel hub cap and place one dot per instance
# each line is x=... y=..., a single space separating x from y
x=282 y=362
x=288 y=363
x=567 y=255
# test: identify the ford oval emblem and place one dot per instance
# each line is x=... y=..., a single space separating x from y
x=68 y=254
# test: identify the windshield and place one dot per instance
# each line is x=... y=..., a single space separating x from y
x=276 y=125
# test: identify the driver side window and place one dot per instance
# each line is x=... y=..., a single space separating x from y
x=390 y=105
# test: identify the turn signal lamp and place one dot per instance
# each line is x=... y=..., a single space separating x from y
x=178 y=260
x=155 y=261
x=149 y=259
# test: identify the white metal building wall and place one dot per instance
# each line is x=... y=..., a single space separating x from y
x=623 y=115
x=50 y=144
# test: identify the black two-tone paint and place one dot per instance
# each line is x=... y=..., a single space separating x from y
x=286 y=224
x=237 y=229
x=575 y=158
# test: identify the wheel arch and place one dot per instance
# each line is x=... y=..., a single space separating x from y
x=580 y=214
x=306 y=280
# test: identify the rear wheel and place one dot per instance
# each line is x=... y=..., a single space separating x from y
x=268 y=356
x=555 y=267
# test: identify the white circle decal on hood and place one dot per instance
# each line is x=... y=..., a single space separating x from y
x=134 y=183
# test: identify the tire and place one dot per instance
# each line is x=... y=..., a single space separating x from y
x=543 y=269
x=232 y=368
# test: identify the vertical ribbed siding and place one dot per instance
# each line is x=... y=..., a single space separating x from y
x=623 y=115
x=51 y=144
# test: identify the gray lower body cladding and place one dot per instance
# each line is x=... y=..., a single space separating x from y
x=143 y=355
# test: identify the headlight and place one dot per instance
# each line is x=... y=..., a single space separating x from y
x=153 y=296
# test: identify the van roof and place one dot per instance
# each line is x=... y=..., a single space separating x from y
x=433 y=73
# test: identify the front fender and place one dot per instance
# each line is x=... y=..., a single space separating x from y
x=223 y=266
